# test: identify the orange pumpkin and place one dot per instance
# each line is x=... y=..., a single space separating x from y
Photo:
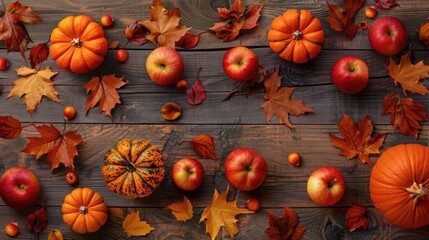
x=134 y=168
x=296 y=36
x=424 y=32
x=399 y=185
x=84 y=210
x=78 y=44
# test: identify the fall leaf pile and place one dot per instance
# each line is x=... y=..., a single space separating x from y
x=132 y=167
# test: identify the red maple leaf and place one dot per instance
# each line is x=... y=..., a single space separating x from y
x=10 y=127
x=58 y=147
x=285 y=227
x=342 y=21
x=356 y=217
x=38 y=54
x=405 y=114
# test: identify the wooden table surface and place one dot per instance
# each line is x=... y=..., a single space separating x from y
x=239 y=122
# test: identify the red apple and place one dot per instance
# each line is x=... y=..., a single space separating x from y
x=326 y=186
x=240 y=64
x=164 y=66
x=20 y=187
x=388 y=36
x=245 y=169
x=350 y=74
x=188 y=174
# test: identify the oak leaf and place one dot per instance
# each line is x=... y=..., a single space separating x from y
x=12 y=29
x=236 y=19
x=386 y=4
x=10 y=127
x=196 y=94
x=60 y=148
x=188 y=41
x=183 y=211
x=408 y=75
x=342 y=21
x=37 y=221
x=38 y=54
x=222 y=213
x=34 y=85
x=405 y=114
x=286 y=227
x=357 y=140
x=356 y=217
x=204 y=145
x=103 y=92
x=278 y=101
x=134 y=227
x=164 y=25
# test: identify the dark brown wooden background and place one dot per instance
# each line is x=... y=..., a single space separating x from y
x=236 y=123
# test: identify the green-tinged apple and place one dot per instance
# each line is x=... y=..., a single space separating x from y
x=20 y=187
x=245 y=169
x=350 y=74
x=188 y=174
x=388 y=35
x=165 y=66
x=240 y=64
x=326 y=186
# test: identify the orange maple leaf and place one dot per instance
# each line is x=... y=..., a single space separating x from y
x=278 y=102
x=408 y=74
x=357 y=139
x=164 y=25
x=222 y=213
x=103 y=92
x=12 y=29
x=341 y=20
x=405 y=114
x=10 y=127
x=285 y=227
x=134 y=227
x=356 y=218
x=236 y=19
x=183 y=211
x=34 y=85
x=58 y=147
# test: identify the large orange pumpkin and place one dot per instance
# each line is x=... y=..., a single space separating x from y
x=84 y=210
x=78 y=44
x=296 y=36
x=399 y=185
x=134 y=168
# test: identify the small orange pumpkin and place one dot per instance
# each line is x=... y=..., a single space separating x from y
x=424 y=32
x=84 y=210
x=399 y=185
x=296 y=36
x=134 y=168
x=78 y=44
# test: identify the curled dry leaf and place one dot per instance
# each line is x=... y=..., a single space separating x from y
x=171 y=111
x=136 y=33
x=37 y=221
x=38 y=54
x=33 y=85
x=196 y=94
x=55 y=235
x=286 y=227
x=342 y=21
x=356 y=217
x=357 y=140
x=385 y=4
x=408 y=75
x=189 y=40
x=10 y=127
x=183 y=211
x=405 y=114
x=134 y=227
x=204 y=145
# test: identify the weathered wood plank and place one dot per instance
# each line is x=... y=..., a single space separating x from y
x=323 y=223
x=284 y=183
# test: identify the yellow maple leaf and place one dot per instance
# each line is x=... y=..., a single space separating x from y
x=34 y=85
x=222 y=213
x=164 y=25
x=134 y=227
x=408 y=74
x=183 y=211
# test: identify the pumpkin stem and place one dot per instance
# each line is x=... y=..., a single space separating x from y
x=83 y=210
x=417 y=192
x=297 y=35
x=76 y=42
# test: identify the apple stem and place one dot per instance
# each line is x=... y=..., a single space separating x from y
x=332 y=183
